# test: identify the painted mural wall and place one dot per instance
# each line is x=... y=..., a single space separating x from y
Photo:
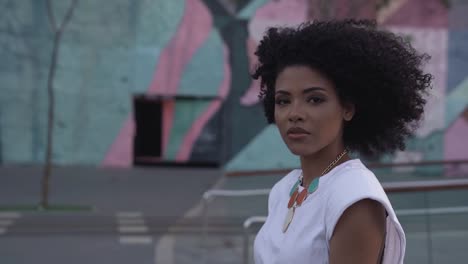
x=113 y=50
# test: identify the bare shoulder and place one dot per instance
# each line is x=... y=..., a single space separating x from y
x=359 y=233
x=363 y=210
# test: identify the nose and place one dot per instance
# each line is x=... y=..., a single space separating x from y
x=295 y=113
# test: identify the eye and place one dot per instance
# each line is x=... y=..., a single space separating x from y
x=315 y=99
x=281 y=101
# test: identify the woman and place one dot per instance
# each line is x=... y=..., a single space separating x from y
x=333 y=88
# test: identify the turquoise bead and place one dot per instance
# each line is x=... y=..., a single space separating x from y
x=294 y=188
x=312 y=187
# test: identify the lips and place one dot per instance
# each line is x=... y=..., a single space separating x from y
x=297 y=131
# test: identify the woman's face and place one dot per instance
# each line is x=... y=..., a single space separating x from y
x=308 y=112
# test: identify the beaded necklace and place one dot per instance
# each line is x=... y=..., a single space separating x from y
x=297 y=198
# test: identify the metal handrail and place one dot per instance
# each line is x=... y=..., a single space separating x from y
x=423 y=186
x=404 y=212
x=372 y=165
x=247 y=223
x=389 y=187
x=208 y=196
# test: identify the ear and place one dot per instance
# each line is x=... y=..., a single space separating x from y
x=348 y=111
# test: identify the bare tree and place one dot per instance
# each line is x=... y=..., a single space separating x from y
x=57 y=31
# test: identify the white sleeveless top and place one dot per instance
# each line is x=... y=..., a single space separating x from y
x=308 y=236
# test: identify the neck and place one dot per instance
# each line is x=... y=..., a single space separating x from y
x=314 y=165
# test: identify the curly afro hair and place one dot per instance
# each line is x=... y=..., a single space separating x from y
x=376 y=70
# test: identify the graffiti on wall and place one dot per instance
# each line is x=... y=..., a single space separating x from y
x=198 y=44
x=204 y=48
x=436 y=139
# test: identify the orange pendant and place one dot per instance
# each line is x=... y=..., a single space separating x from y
x=292 y=199
x=301 y=197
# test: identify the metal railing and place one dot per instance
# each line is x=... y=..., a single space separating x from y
x=389 y=187
x=208 y=197
x=376 y=165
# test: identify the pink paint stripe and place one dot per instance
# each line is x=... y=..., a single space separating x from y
x=414 y=14
x=454 y=150
x=199 y=124
x=455 y=134
x=168 y=118
x=193 y=31
x=119 y=154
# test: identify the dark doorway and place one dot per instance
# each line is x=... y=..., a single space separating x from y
x=148 y=127
x=148 y=142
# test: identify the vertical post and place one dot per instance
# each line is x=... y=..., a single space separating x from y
x=246 y=245
x=428 y=228
x=225 y=148
x=204 y=209
x=1 y=147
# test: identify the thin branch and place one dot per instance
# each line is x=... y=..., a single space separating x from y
x=51 y=16
x=69 y=14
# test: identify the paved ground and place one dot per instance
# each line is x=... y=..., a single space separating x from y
x=153 y=191
x=153 y=215
x=133 y=208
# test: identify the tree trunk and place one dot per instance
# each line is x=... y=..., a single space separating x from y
x=57 y=31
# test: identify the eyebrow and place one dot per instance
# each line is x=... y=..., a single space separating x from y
x=305 y=91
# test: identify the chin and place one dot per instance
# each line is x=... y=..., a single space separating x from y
x=300 y=150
